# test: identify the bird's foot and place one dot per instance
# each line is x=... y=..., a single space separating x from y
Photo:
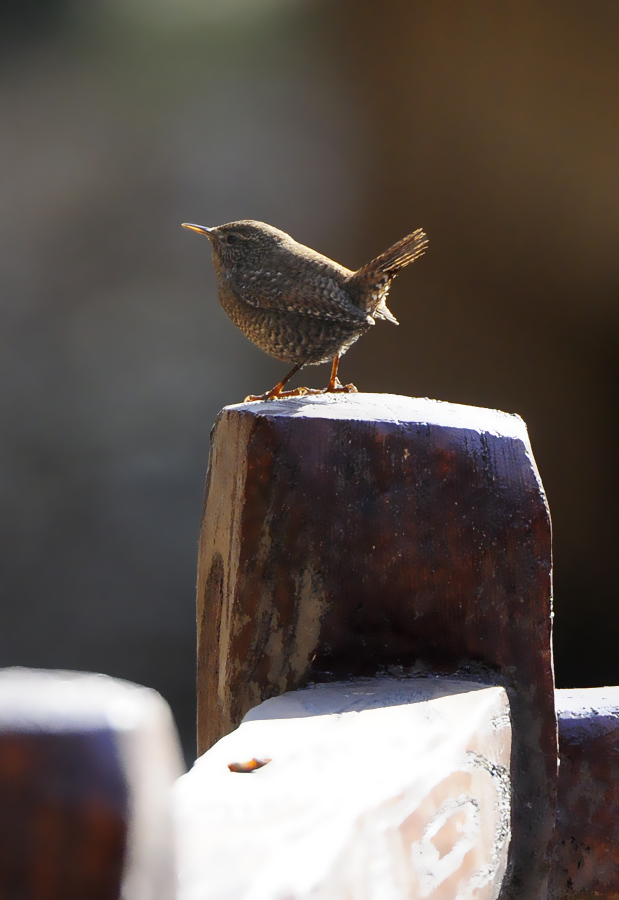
x=282 y=395
x=338 y=388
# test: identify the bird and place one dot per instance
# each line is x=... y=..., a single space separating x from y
x=296 y=304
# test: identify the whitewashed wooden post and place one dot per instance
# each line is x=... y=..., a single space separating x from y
x=363 y=535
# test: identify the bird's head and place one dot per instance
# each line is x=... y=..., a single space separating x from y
x=245 y=243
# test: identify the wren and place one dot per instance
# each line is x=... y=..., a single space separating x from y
x=296 y=304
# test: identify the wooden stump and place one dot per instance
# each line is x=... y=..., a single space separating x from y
x=586 y=857
x=346 y=534
x=374 y=788
x=86 y=768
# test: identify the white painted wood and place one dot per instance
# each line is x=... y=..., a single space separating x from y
x=377 y=789
x=396 y=408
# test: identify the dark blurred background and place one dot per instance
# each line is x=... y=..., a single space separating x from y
x=495 y=126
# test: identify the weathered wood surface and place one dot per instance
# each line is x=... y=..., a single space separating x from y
x=86 y=768
x=345 y=534
x=376 y=788
x=586 y=859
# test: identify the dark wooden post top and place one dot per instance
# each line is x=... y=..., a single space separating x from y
x=347 y=534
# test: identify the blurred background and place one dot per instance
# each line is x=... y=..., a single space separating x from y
x=348 y=123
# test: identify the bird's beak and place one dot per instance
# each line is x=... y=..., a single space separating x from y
x=201 y=229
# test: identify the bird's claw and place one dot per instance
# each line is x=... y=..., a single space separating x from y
x=339 y=388
x=281 y=395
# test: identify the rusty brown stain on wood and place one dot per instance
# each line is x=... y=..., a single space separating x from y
x=249 y=765
x=363 y=541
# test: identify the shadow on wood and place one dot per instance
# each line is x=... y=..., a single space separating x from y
x=344 y=535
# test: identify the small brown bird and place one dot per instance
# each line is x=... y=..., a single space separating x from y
x=298 y=305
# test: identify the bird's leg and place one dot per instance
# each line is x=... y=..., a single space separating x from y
x=276 y=392
x=335 y=385
x=334 y=382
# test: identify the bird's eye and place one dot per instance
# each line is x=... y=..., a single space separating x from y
x=232 y=239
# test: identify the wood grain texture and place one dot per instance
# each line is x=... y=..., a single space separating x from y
x=346 y=534
x=587 y=834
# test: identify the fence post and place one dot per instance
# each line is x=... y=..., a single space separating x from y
x=87 y=765
x=345 y=536
x=586 y=834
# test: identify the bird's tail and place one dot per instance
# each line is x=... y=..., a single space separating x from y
x=373 y=280
x=396 y=257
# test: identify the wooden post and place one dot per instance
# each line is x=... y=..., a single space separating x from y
x=86 y=768
x=346 y=535
x=586 y=854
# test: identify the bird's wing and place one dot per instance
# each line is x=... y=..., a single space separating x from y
x=265 y=290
